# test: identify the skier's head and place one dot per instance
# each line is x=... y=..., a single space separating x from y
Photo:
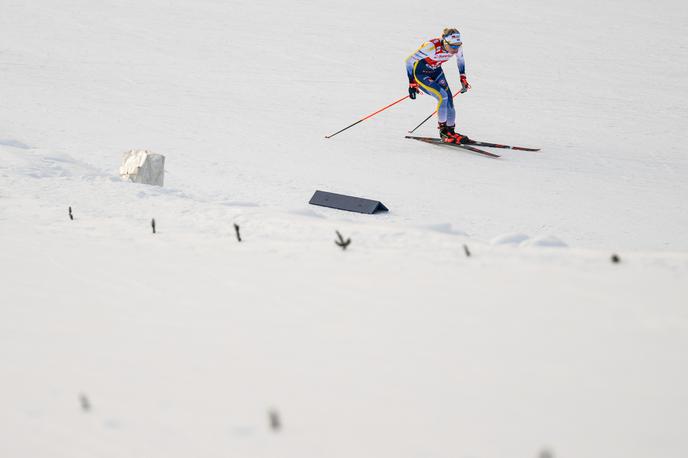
x=451 y=40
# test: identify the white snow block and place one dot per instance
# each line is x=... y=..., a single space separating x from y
x=142 y=166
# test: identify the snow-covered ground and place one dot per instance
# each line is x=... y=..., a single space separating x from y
x=402 y=345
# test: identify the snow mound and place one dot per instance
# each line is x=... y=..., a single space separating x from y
x=20 y=162
x=548 y=241
x=515 y=238
x=445 y=228
x=306 y=212
x=13 y=143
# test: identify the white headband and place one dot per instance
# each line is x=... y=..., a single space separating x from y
x=453 y=39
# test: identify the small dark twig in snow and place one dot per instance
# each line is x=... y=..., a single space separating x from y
x=274 y=418
x=153 y=225
x=546 y=453
x=236 y=229
x=85 y=403
x=615 y=258
x=70 y=214
x=467 y=251
x=341 y=242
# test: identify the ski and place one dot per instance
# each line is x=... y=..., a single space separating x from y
x=437 y=141
x=498 y=145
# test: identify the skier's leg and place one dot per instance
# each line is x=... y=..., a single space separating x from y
x=451 y=113
x=447 y=99
x=426 y=86
x=435 y=85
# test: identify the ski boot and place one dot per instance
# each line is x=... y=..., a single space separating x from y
x=444 y=132
x=448 y=135
x=457 y=137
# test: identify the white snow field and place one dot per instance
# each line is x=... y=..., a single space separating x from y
x=116 y=342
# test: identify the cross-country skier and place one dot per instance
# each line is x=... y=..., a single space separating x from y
x=424 y=69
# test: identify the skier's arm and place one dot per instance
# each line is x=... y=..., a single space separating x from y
x=461 y=62
x=427 y=49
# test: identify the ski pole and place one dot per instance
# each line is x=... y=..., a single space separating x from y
x=431 y=115
x=369 y=116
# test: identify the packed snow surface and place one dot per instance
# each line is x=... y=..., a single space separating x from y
x=482 y=317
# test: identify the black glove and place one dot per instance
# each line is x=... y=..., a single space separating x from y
x=413 y=89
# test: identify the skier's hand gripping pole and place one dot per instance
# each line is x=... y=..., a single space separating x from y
x=413 y=89
x=464 y=84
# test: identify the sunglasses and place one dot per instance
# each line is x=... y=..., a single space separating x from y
x=456 y=46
